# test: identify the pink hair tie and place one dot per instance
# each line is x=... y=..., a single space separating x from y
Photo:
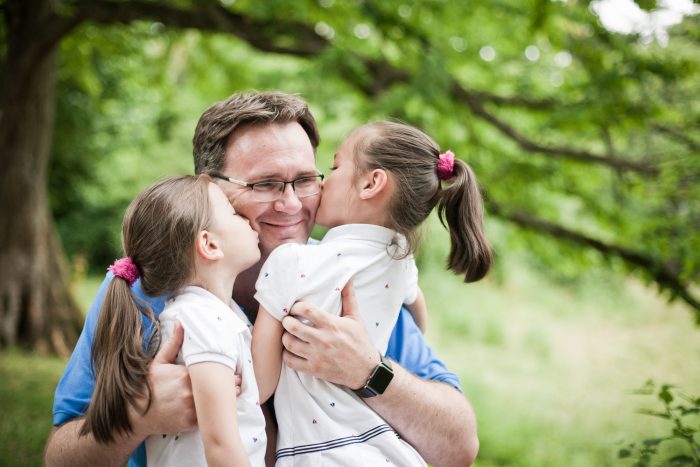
x=126 y=269
x=446 y=165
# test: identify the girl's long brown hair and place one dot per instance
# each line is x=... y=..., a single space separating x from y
x=411 y=156
x=158 y=234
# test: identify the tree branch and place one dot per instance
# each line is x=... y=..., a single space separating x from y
x=296 y=38
x=677 y=135
x=384 y=75
x=478 y=109
x=662 y=273
x=278 y=36
x=515 y=101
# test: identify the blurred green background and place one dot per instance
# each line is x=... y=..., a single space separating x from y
x=584 y=135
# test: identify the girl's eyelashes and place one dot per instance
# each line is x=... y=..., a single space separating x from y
x=334 y=167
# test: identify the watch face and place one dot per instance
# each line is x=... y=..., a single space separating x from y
x=381 y=378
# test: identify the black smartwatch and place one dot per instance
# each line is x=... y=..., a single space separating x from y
x=377 y=381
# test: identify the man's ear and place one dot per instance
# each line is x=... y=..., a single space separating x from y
x=373 y=183
x=207 y=246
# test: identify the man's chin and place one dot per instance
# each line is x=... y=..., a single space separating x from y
x=272 y=242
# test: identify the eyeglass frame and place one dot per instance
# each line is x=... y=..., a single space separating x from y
x=281 y=192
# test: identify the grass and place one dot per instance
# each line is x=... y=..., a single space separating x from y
x=549 y=370
x=27 y=384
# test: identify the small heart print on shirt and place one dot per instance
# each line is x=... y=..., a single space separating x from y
x=303 y=276
x=332 y=404
x=386 y=286
x=314 y=421
x=266 y=274
x=285 y=311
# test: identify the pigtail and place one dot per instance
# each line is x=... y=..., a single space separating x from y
x=119 y=362
x=461 y=211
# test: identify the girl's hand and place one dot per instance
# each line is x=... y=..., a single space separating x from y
x=239 y=383
x=336 y=349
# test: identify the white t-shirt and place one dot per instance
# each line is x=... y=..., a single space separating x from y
x=214 y=332
x=321 y=423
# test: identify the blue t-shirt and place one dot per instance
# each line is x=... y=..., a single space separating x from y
x=74 y=391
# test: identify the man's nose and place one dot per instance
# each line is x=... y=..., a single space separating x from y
x=289 y=202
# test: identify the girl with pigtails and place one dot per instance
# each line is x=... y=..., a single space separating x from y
x=182 y=238
x=386 y=179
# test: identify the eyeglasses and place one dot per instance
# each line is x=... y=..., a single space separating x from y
x=272 y=190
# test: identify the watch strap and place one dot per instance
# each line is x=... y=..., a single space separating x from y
x=378 y=380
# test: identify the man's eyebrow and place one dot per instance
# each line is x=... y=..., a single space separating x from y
x=277 y=176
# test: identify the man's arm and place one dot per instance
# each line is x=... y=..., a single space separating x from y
x=339 y=350
x=171 y=411
x=65 y=447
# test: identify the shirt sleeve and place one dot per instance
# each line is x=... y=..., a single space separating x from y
x=211 y=335
x=411 y=281
x=277 y=287
x=408 y=347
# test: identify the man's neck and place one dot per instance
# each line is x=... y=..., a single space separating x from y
x=244 y=290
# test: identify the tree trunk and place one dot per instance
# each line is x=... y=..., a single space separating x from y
x=36 y=309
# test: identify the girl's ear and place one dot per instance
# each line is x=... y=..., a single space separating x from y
x=373 y=183
x=208 y=247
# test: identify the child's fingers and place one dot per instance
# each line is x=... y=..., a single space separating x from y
x=238 y=381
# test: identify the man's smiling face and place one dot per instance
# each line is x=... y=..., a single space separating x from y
x=267 y=152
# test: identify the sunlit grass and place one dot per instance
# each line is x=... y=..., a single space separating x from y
x=27 y=384
x=550 y=370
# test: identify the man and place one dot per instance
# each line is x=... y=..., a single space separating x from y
x=272 y=137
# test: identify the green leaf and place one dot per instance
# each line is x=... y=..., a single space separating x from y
x=623 y=453
x=653 y=441
x=665 y=394
x=646 y=5
x=681 y=460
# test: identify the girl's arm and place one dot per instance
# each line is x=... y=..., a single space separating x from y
x=215 y=402
x=419 y=310
x=267 y=353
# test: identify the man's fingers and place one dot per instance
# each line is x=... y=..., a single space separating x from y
x=295 y=362
x=350 y=309
x=295 y=345
x=303 y=320
x=307 y=311
x=168 y=351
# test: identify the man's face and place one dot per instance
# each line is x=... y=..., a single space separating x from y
x=269 y=152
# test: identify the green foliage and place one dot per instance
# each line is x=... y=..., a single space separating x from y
x=682 y=412
x=543 y=80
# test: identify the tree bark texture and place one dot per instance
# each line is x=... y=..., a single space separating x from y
x=36 y=309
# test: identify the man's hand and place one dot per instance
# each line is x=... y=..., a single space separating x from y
x=172 y=405
x=336 y=349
